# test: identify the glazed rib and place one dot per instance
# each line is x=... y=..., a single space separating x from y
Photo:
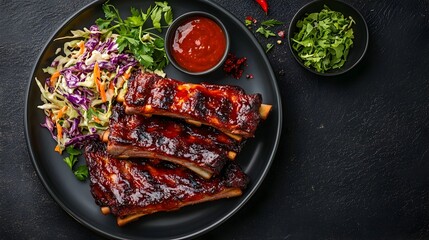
x=204 y=150
x=227 y=108
x=130 y=189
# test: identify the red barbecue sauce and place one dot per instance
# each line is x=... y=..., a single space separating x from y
x=199 y=44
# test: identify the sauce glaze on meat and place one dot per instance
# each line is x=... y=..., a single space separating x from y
x=225 y=107
x=203 y=149
x=146 y=186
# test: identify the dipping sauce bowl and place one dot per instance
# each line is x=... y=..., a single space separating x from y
x=197 y=43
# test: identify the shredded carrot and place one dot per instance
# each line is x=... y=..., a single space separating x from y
x=59 y=131
x=111 y=86
x=96 y=119
x=59 y=136
x=127 y=75
x=97 y=75
x=58 y=149
x=61 y=112
x=100 y=86
x=103 y=93
x=54 y=78
x=81 y=45
x=124 y=77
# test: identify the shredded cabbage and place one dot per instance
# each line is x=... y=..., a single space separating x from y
x=73 y=96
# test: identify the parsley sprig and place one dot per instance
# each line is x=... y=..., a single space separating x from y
x=81 y=172
x=265 y=30
x=136 y=35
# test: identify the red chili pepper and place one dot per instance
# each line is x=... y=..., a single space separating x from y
x=263 y=4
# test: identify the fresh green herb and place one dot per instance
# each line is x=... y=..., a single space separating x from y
x=70 y=161
x=265 y=29
x=269 y=47
x=72 y=158
x=72 y=151
x=324 y=39
x=271 y=23
x=266 y=32
x=248 y=22
x=81 y=172
x=134 y=35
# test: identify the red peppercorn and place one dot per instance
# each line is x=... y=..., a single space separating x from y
x=233 y=65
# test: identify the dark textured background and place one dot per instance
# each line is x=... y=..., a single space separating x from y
x=353 y=161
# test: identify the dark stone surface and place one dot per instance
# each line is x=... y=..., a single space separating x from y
x=353 y=161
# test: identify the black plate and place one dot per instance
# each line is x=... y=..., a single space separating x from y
x=75 y=197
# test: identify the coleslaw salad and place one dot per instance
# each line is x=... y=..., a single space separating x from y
x=92 y=70
x=77 y=97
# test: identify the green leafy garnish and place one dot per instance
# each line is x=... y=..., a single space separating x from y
x=73 y=151
x=266 y=32
x=269 y=47
x=72 y=158
x=264 y=29
x=247 y=22
x=135 y=36
x=81 y=172
x=70 y=161
x=271 y=23
x=324 y=39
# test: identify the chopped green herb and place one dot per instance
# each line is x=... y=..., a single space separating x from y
x=266 y=32
x=269 y=47
x=72 y=151
x=70 y=161
x=81 y=172
x=146 y=46
x=265 y=29
x=271 y=23
x=324 y=39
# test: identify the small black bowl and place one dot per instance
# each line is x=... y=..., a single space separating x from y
x=360 y=30
x=169 y=37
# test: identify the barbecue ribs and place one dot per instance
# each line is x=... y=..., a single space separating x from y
x=227 y=108
x=130 y=189
x=204 y=150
